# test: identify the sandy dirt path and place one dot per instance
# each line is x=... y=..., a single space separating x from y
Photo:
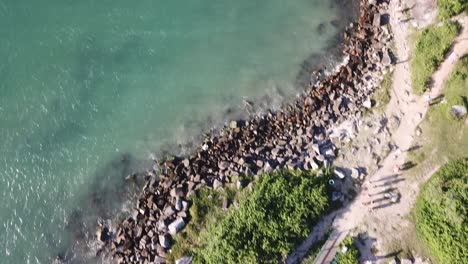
x=371 y=205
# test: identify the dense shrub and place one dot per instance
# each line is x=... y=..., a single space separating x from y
x=449 y=8
x=431 y=46
x=442 y=213
x=351 y=256
x=275 y=217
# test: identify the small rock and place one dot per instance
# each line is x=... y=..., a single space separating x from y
x=316 y=148
x=159 y=260
x=178 y=205
x=339 y=174
x=217 y=184
x=168 y=211
x=320 y=158
x=259 y=163
x=314 y=165
x=418 y=131
x=222 y=165
x=239 y=185
x=386 y=59
x=204 y=147
x=233 y=124
x=355 y=173
x=275 y=151
x=185 y=206
x=367 y=103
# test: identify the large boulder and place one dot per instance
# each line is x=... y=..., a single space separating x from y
x=184 y=260
x=459 y=111
x=176 y=226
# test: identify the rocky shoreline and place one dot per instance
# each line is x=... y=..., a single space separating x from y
x=294 y=138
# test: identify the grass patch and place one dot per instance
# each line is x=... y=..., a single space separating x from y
x=431 y=46
x=442 y=213
x=382 y=95
x=268 y=223
x=449 y=8
x=351 y=255
x=444 y=137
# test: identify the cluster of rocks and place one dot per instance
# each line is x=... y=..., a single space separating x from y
x=294 y=138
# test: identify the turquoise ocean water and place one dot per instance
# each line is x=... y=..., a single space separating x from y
x=90 y=90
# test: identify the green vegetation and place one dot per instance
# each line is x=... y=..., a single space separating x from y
x=315 y=250
x=442 y=213
x=206 y=210
x=443 y=136
x=382 y=95
x=431 y=46
x=351 y=256
x=266 y=225
x=449 y=8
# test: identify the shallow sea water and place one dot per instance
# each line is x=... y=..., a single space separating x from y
x=90 y=90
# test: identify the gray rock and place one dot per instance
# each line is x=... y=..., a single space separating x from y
x=386 y=59
x=259 y=163
x=161 y=226
x=184 y=260
x=178 y=205
x=217 y=184
x=239 y=185
x=354 y=173
x=185 y=206
x=338 y=173
x=367 y=103
x=164 y=241
x=233 y=124
x=459 y=111
x=316 y=148
x=159 y=260
x=168 y=211
x=275 y=151
x=222 y=165
x=314 y=165
x=176 y=226
x=320 y=158
x=330 y=153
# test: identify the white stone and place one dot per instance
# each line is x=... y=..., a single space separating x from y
x=176 y=226
x=339 y=174
x=184 y=260
x=367 y=103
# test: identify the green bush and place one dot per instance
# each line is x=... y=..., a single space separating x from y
x=431 y=46
x=351 y=256
x=269 y=223
x=449 y=8
x=442 y=213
